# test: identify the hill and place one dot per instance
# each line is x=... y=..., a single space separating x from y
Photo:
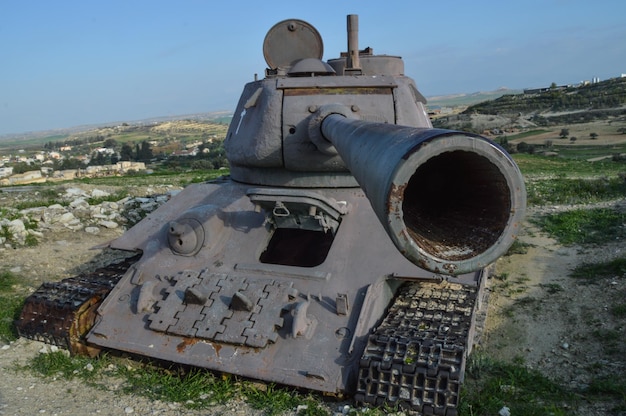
x=38 y=138
x=581 y=114
x=467 y=99
x=594 y=100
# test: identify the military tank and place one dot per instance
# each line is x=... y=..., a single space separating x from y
x=345 y=253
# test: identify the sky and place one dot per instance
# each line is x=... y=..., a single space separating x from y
x=68 y=63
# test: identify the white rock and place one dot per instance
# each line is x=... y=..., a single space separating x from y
x=36 y=233
x=149 y=206
x=75 y=227
x=97 y=193
x=66 y=218
x=92 y=230
x=505 y=411
x=108 y=224
x=128 y=410
x=111 y=206
x=123 y=200
x=16 y=226
x=74 y=192
x=79 y=203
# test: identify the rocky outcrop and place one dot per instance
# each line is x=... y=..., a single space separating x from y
x=74 y=212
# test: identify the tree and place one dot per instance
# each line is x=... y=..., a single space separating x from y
x=504 y=142
x=145 y=152
x=564 y=133
x=126 y=153
x=593 y=136
x=110 y=143
x=97 y=159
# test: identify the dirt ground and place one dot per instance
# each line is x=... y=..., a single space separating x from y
x=535 y=311
x=553 y=322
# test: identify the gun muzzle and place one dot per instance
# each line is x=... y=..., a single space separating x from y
x=452 y=202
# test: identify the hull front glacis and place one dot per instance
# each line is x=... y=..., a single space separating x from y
x=288 y=308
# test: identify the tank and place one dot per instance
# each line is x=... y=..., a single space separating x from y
x=346 y=253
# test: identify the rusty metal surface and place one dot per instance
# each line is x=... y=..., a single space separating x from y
x=416 y=357
x=61 y=313
x=212 y=313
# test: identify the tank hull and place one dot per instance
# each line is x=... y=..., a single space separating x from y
x=307 y=326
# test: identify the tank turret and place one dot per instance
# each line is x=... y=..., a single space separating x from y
x=345 y=253
x=450 y=201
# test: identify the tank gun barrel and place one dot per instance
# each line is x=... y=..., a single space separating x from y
x=452 y=202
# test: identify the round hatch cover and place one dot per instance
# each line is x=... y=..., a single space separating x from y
x=289 y=41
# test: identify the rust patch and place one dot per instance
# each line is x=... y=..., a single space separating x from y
x=186 y=342
x=396 y=193
x=290 y=92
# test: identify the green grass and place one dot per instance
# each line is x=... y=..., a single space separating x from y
x=40 y=203
x=618 y=311
x=159 y=177
x=518 y=247
x=121 y=194
x=196 y=389
x=538 y=166
x=490 y=385
x=526 y=134
x=60 y=364
x=596 y=271
x=574 y=191
x=193 y=388
x=276 y=401
x=584 y=226
x=12 y=303
x=613 y=387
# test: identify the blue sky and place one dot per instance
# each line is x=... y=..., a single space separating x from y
x=66 y=63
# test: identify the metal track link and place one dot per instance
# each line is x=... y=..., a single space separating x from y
x=416 y=357
x=61 y=313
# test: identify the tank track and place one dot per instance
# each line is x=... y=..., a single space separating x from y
x=61 y=313
x=415 y=359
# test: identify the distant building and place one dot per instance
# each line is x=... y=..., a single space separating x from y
x=544 y=89
x=33 y=176
x=6 y=171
